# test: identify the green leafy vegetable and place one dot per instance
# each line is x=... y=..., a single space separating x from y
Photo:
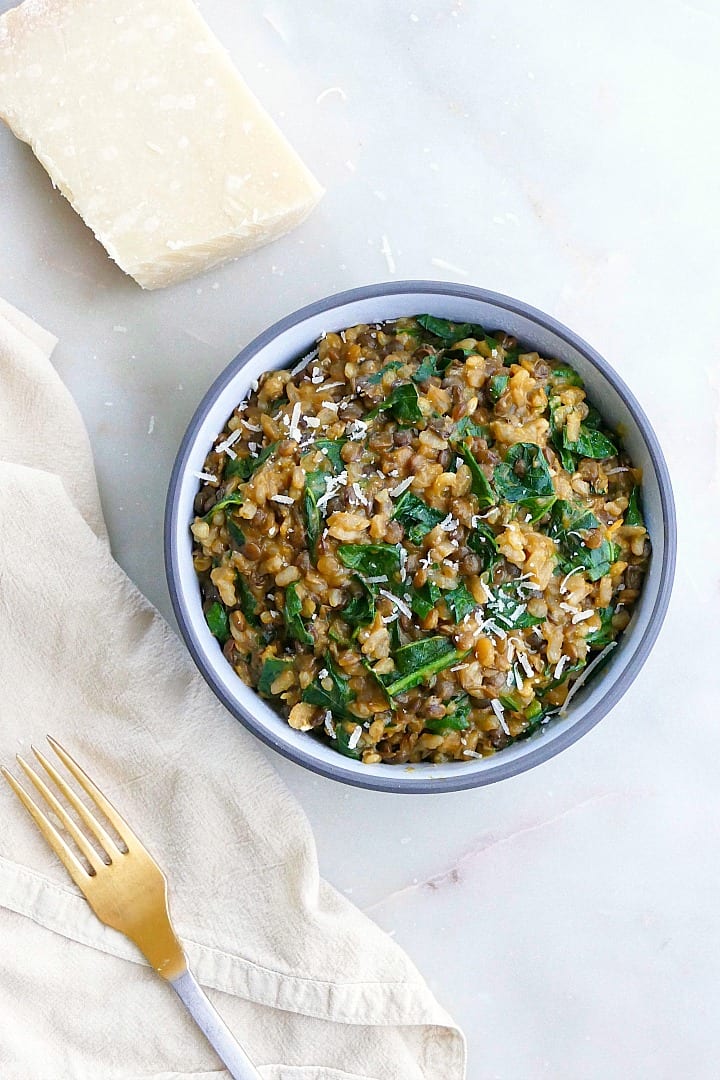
x=291 y=614
x=402 y=402
x=466 y=426
x=524 y=478
x=377 y=377
x=336 y=698
x=598 y=639
x=360 y=610
x=416 y=517
x=568 y=523
x=418 y=661
x=236 y=499
x=590 y=443
x=567 y=460
x=481 y=539
x=342 y=740
x=236 y=534
x=456 y=719
x=434 y=364
x=480 y=485
x=449 y=331
x=271 y=669
x=248 y=466
x=566 y=376
x=508 y=609
x=371 y=560
x=633 y=514
x=247 y=602
x=276 y=404
x=460 y=602
x=332 y=448
x=497 y=385
x=511 y=702
x=315 y=484
x=424 y=599
x=217 y=619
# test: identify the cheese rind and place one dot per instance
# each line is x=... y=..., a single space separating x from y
x=142 y=121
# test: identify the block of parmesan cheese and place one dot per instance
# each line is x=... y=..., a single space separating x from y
x=144 y=124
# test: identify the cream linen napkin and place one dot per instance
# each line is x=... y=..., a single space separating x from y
x=314 y=990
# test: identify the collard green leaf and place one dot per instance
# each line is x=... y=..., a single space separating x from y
x=315 y=484
x=480 y=485
x=496 y=386
x=481 y=539
x=419 y=660
x=424 y=599
x=416 y=517
x=507 y=608
x=455 y=719
x=590 y=444
x=271 y=669
x=523 y=474
x=633 y=514
x=336 y=698
x=291 y=613
x=360 y=609
x=567 y=525
x=402 y=402
x=451 y=332
x=460 y=602
x=217 y=619
x=371 y=560
x=601 y=637
x=246 y=600
x=248 y=466
x=332 y=449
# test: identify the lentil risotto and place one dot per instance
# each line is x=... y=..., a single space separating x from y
x=419 y=542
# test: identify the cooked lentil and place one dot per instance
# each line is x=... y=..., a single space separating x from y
x=419 y=541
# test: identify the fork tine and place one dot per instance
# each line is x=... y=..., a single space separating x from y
x=116 y=820
x=74 y=868
x=96 y=828
x=78 y=836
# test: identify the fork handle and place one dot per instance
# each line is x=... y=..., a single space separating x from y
x=214 y=1027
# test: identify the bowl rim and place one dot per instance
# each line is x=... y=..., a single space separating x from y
x=544 y=750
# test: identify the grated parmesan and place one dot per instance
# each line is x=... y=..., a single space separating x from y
x=497 y=708
x=399 y=488
x=284 y=499
x=355 y=737
x=206 y=476
x=590 y=668
x=399 y=604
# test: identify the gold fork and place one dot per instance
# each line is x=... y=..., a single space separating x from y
x=125 y=888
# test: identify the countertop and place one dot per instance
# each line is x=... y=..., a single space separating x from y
x=565 y=154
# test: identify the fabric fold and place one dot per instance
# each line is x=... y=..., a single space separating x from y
x=306 y=980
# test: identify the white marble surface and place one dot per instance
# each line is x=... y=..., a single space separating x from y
x=566 y=154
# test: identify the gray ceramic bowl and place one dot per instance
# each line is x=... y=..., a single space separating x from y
x=280 y=346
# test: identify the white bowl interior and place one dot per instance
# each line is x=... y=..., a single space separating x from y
x=283 y=351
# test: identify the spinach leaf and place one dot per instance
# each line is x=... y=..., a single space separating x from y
x=336 y=698
x=236 y=534
x=480 y=485
x=456 y=719
x=497 y=385
x=247 y=602
x=466 y=426
x=523 y=474
x=460 y=602
x=402 y=402
x=419 y=661
x=377 y=377
x=601 y=637
x=567 y=459
x=315 y=484
x=566 y=376
x=360 y=610
x=511 y=702
x=590 y=443
x=342 y=742
x=481 y=539
x=536 y=715
x=424 y=599
x=435 y=364
x=332 y=448
x=416 y=517
x=508 y=609
x=567 y=524
x=248 y=466
x=271 y=669
x=371 y=560
x=291 y=614
x=633 y=514
x=449 y=331
x=217 y=619
x=571 y=669
x=236 y=499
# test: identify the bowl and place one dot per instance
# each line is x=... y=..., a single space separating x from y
x=281 y=346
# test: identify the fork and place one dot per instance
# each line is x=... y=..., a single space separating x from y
x=125 y=888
